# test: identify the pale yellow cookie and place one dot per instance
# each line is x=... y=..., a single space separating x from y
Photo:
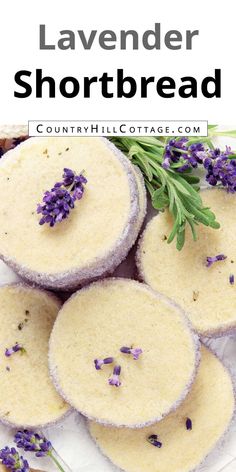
x=205 y=293
x=99 y=320
x=27 y=395
x=98 y=233
x=208 y=408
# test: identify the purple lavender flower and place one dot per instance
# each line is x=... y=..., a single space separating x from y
x=33 y=442
x=114 y=379
x=153 y=439
x=68 y=177
x=231 y=279
x=38 y=444
x=179 y=143
x=76 y=182
x=189 y=425
x=60 y=200
x=173 y=151
x=221 y=169
x=57 y=205
x=13 y=461
x=211 y=260
x=13 y=349
x=177 y=150
x=183 y=168
x=100 y=362
x=136 y=352
x=166 y=162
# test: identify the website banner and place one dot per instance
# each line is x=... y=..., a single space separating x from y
x=119 y=128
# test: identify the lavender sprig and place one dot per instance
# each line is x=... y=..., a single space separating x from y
x=37 y=443
x=12 y=460
x=159 y=160
x=60 y=200
x=220 y=165
x=33 y=442
x=135 y=352
x=115 y=378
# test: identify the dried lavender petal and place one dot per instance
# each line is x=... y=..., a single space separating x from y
x=114 y=379
x=231 y=279
x=100 y=362
x=13 y=349
x=136 y=352
x=153 y=439
x=189 y=425
x=108 y=360
x=212 y=260
x=125 y=350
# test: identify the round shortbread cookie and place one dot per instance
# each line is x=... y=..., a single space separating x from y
x=208 y=409
x=27 y=395
x=207 y=294
x=98 y=233
x=99 y=320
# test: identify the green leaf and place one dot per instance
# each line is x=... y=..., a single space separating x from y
x=180 y=239
x=173 y=232
x=231 y=133
x=160 y=199
x=180 y=186
x=191 y=179
x=193 y=224
x=150 y=141
x=214 y=224
x=144 y=166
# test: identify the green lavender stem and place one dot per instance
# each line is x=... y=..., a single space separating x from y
x=167 y=187
x=56 y=461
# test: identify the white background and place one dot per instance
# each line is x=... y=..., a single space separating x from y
x=214 y=48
